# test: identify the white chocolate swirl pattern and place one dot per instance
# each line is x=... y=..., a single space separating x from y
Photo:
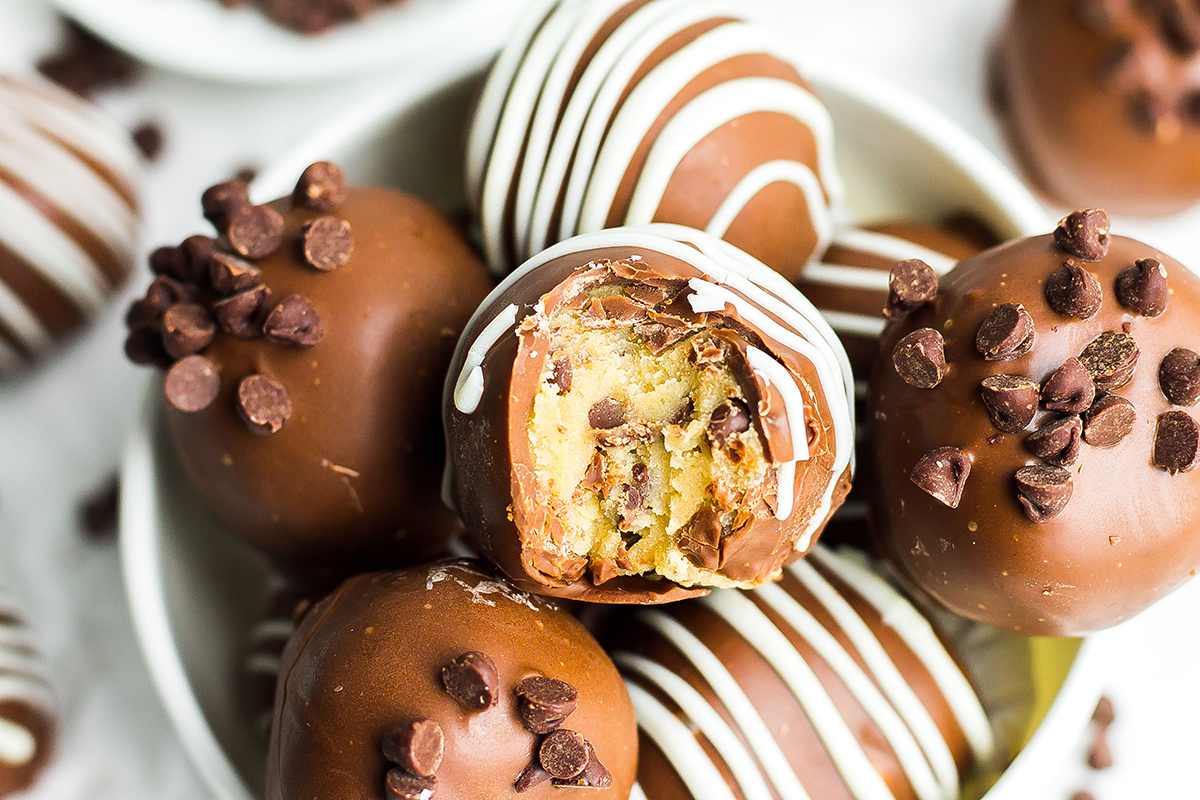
x=28 y=708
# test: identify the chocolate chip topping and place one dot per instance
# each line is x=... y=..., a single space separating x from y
x=170 y=262
x=416 y=745
x=911 y=284
x=728 y=419
x=1073 y=291
x=263 y=404
x=1084 y=234
x=1143 y=287
x=99 y=509
x=700 y=538
x=161 y=294
x=545 y=703
x=144 y=346
x=594 y=776
x=1109 y=420
x=561 y=374
x=197 y=252
x=943 y=474
x=241 y=315
x=230 y=274
x=322 y=187
x=255 y=231
x=920 y=358
x=187 y=328
x=1057 y=442
x=192 y=384
x=401 y=785
x=1110 y=359
x=1011 y=401
x=221 y=201
x=1179 y=376
x=530 y=777
x=1043 y=491
x=294 y=321
x=606 y=414
x=1006 y=334
x=328 y=243
x=1176 y=442
x=563 y=753
x=471 y=679
x=1069 y=389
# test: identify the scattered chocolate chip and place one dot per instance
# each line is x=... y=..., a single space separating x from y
x=1084 y=234
x=911 y=284
x=728 y=419
x=246 y=174
x=328 y=243
x=416 y=745
x=1069 y=389
x=192 y=384
x=263 y=404
x=294 y=321
x=563 y=753
x=255 y=231
x=148 y=137
x=230 y=274
x=322 y=187
x=1057 y=442
x=1099 y=754
x=144 y=346
x=1179 y=377
x=1109 y=420
x=1074 y=292
x=401 y=785
x=1006 y=333
x=530 y=777
x=700 y=538
x=1105 y=713
x=170 y=262
x=1143 y=287
x=220 y=201
x=1011 y=401
x=920 y=358
x=594 y=776
x=1110 y=359
x=471 y=679
x=943 y=474
x=198 y=253
x=560 y=374
x=1176 y=442
x=98 y=510
x=545 y=703
x=187 y=328
x=605 y=414
x=161 y=294
x=86 y=65
x=1043 y=491
x=241 y=315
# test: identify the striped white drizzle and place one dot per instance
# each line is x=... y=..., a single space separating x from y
x=22 y=681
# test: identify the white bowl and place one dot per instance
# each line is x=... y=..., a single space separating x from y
x=194 y=589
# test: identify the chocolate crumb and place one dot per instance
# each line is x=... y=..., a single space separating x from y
x=911 y=284
x=328 y=243
x=1179 y=377
x=416 y=745
x=294 y=321
x=246 y=174
x=401 y=785
x=1084 y=234
x=1011 y=401
x=220 y=201
x=192 y=384
x=1074 y=292
x=148 y=137
x=1099 y=754
x=1007 y=333
x=187 y=328
x=1110 y=359
x=563 y=753
x=255 y=231
x=561 y=374
x=943 y=474
x=1108 y=421
x=530 y=777
x=471 y=679
x=322 y=187
x=1176 y=442
x=728 y=419
x=263 y=404
x=1043 y=491
x=98 y=510
x=700 y=538
x=545 y=703
x=86 y=65
x=1069 y=389
x=229 y=274
x=1143 y=287
x=920 y=358
x=606 y=414
x=1057 y=442
x=241 y=315
x=1105 y=713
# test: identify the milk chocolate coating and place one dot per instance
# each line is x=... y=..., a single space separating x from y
x=491 y=478
x=353 y=471
x=1099 y=98
x=1127 y=534
x=370 y=657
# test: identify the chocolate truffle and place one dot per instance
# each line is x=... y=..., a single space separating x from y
x=828 y=684
x=445 y=681
x=69 y=221
x=306 y=347
x=28 y=710
x=615 y=113
x=1083 y=510
x=1101 y=100
x=639 y=413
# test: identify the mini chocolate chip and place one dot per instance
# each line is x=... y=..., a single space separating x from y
x=192 y=384
x=943 y=474
x=255 y=231
x=471 y=679
x=1043 y=491
x=220 y=201
x=161 y=294
x=416 y=745
x=1099 y=755
x=187 y=328
x=149 y=140
x=198 y=252
x=561 y=374
x=1143 y=287
x=1179 y=377
x=1006 y=334
x=683 y=415
x=170 y=262
x=1069 y=388
x=1176 y=442
x=911 y=284
x=700 y=538
x=530 y=777
x=1105 y=713
x=920 y=358
x=563 y=753
x=322 y=187
x=594 y=776
x=401 y=785
x=545 y=703
x=1011 y=401
x=1084 y=234
x=294 y=321
x=144 y=346
x=728 y=419
x=230 y=274
x=241 y=315
x=1109 y=420
x=605 y=414
x=1110 y=359
x=328 y=243
x=1057 y=442
x=263 y=404
x=99 y=509
x=1073 y=291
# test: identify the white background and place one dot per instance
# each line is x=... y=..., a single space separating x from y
x=60 y=431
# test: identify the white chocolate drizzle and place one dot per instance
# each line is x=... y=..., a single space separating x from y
x=468 y=390
x=22 y=682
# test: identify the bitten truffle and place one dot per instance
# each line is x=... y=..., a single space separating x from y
x=445 y=681
x=640 y=413
x=28 y=709
x=609 y=113
x=1047 y=484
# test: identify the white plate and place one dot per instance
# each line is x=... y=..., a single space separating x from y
x=194 y=590
x=240 y=45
